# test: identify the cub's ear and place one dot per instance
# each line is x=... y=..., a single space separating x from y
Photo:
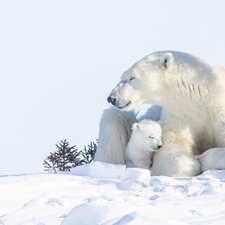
x=167 y=60
x=135 y=126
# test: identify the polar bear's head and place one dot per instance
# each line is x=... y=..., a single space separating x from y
x=147 y=135
x=142 y=83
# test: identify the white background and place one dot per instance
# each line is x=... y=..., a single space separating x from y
x=59 y=60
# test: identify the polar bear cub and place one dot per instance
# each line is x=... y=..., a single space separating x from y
x=145 y=139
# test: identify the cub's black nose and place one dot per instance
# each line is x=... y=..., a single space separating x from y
x=111 y=100
x=159 y=146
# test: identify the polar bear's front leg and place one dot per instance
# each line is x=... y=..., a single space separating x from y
x=213 y=158
x=176 y=156
x=114 y=133
x=170 y=161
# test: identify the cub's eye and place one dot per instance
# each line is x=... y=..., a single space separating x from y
x=132 y=78
x=151 y=137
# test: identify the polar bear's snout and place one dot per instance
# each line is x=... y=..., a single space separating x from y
x=111 y=100
x=156 y=148
x=120 y=96
x=159 y=146
x=118 y=104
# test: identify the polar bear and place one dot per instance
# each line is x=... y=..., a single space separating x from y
x=191 y=92
x=144 y=141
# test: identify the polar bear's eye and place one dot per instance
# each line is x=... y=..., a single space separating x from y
x=132 y=78
x=151 y=137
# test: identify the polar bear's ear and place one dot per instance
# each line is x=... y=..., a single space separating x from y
x=135 y=126
x=167 y=60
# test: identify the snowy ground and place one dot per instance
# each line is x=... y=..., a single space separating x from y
x=108 y=194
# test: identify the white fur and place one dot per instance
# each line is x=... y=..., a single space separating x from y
x=212 y=159
x=114 y=133
x=191 y=92
x=151 y=112
x=145 y=139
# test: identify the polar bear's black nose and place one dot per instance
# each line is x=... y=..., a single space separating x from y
x=111 y=100
x=159 y=146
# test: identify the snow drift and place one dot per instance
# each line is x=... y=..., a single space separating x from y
x=108 y=194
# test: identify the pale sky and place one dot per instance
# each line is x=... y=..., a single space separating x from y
x=59 y=60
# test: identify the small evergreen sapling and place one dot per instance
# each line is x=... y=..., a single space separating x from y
x=67 y=157
x=63 y=159
x=88 y=153
x=50 y=163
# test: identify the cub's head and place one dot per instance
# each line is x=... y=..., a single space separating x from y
x=147 y=134
x=143 y=82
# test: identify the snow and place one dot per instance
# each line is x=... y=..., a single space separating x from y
x=107 y=194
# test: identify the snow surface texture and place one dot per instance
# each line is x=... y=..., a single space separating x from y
x=108 y=194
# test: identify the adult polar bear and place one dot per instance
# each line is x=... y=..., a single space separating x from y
x=192 y=94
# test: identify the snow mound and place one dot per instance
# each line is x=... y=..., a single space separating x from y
x=107 y=194
x=154 y=200
x=130 y=177
x=99 y=170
